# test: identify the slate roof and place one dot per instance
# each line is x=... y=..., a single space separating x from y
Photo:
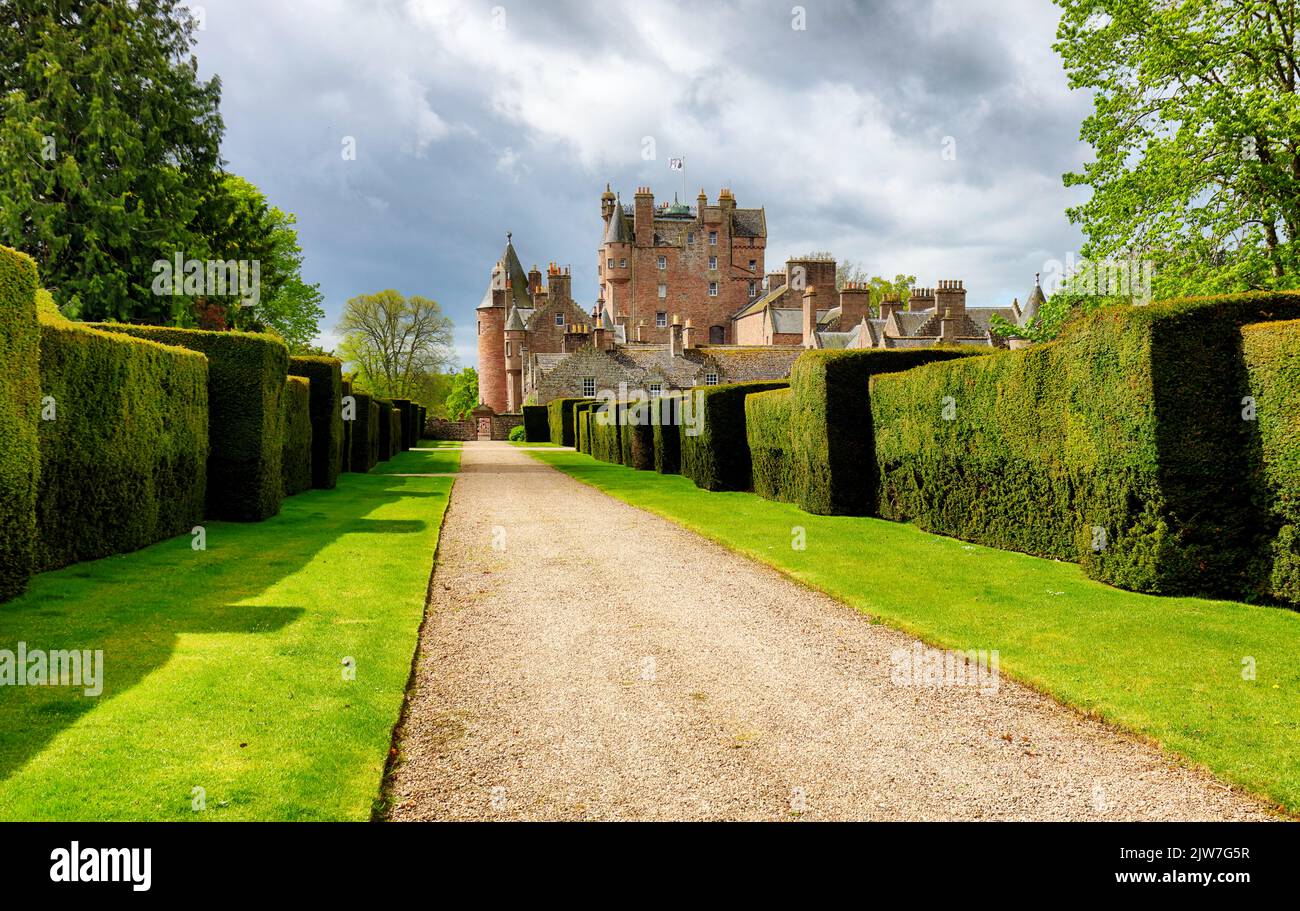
x=508 y=266
x=514 y=320
x=1029 y=312
x=749 y=223
x=619 y=230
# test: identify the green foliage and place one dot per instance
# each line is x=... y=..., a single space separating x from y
x=326 y=376
x=395 y=342
x=1272 y=355
x=108 y=146
x=537 y=424
x=296 y=457
x=20 y=406
x=124 y=458
x=406 y=424
x=463 y=396
x=1121 y=445
x=395 y=431
x=830 y=448
x=604 y=428
x=1194 y=128
x=367 y=439
x=387 y=448
x=584 y=418
x=638 y=437
x=767 y=429
x=560 y=417
x=714 y=451
x=346 y=460
x=517 y=434
x=246 y=374
x=666 y=433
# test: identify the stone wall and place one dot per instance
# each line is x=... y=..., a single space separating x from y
x=440 y=429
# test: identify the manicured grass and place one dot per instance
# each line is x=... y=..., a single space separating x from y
x=1168 y=668
x=526 y=444
x=223 y=669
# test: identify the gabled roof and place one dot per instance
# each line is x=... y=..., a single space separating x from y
x=749 y=223
x=514 y=320
x=508 y=267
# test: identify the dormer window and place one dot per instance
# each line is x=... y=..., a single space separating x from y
x=559 y=319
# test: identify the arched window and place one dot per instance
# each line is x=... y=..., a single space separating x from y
x=717 y=335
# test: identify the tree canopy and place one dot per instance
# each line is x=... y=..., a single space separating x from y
x=394 y=342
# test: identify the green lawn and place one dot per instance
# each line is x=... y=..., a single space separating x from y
x=223 y=669
x=1169 y=668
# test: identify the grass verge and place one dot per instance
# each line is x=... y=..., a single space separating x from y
x=1176 y=670
x=224 y=668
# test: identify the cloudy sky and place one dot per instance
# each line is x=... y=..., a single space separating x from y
x=473 y=118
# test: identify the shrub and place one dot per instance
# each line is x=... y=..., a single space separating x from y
x=345 y=463
x=537 y=424
x=422 y=423
x=830 y=437
x=406 y=435
x=1120 y=445
x=297 y=457
x=20 y=404
x=638 y=437
x=666 y=433
x=326 y=376
x=1272 y=355
x=767 y=430
x=366 y=437
x=560 y=417
x=386 y=438
x=604 y=429
x=395 y=430
x=583 y=407
x=715 y=453
x=124 y=461
x=246 y=374
x=517 y=434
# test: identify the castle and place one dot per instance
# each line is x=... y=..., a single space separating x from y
x=684 y=300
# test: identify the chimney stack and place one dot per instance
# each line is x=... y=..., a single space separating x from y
x=948 y=327
x=809 y=316
x=921 y=299
x=675 y=337
x=640 y=330
x=689 y=337
x=855 y=303
x=950 y=297
x=643 y=217
x=889 y=304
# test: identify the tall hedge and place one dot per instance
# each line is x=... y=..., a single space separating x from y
x=715 y=452
x=297 y=456
x=20 y=405
x=560 y=417
x=1121 y=445
x=345 y=463
x=405 y=408
x=604 y=424
x=366 y=436
x=537 y=424
x=831 y=450
x=582 y=440
x=767 y=430
x=124 y=453
x=386 y=442
x=246 y=374
x=638 y=437
x=666 y=434
x=394 y=431
x=1272 y=355
x=326 y=376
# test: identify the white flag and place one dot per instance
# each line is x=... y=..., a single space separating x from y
x=676 y=164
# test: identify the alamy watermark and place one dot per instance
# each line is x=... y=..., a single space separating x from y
x=57 y=667
x=922 y=666
x=1104 y=278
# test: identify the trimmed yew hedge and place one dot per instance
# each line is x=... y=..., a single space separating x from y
x=666 y=434
x=767 y=430
x=366 y=436
x=246 y=374
x=715 y=452
x=345 y=462
x=582 y=406
x=1272 y=355
x=537 y=424
x=326 y=376
x=832 y=463
x=1121 y=445
x=20 y=404
x=560 y=417
x=296 y=458
x=385 y=431
x=638 y=437
x=605 y=429
x=394 y=431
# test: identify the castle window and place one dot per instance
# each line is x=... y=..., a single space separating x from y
x=690 y=237
x=559 y=319
x=713 y=238
x=480 y=327
x=661 y=319
x=717 y=335
x=588 y=387
x=713 y=289
x=713 y=262
x=622 y=263
x=753 y=265
x=609 y=262
x=663 y=262
x=753 y=290
x=710 y=379
x=507 y=349
x=655 y=390
x=663 y=291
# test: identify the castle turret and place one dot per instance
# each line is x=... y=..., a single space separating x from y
x=607 y=201
x=516 y=339
x=508 y=288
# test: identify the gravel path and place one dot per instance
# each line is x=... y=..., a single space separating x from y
x=602 y=663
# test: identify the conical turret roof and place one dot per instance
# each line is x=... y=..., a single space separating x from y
x=1029 y=312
